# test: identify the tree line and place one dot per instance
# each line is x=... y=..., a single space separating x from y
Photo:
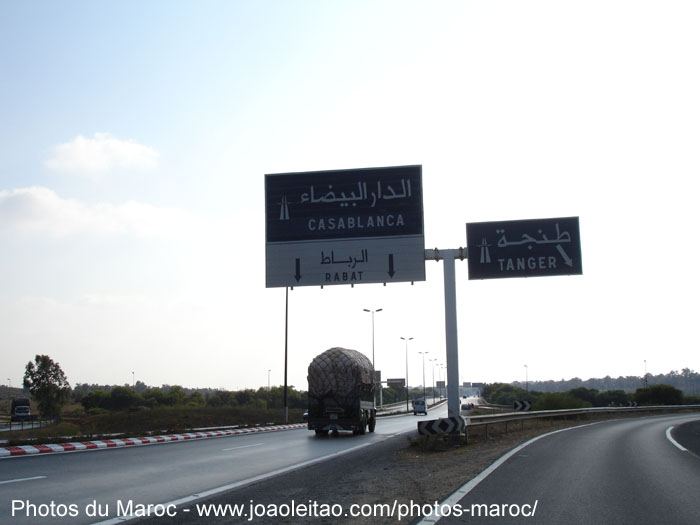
x=582 y=397
x=687 y=381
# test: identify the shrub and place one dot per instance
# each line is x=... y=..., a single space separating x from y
x=559 y=401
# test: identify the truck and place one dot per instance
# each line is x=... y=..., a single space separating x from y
x=341 y=392
x=20 y=409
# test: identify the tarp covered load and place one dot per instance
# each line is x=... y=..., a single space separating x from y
x=340 y=371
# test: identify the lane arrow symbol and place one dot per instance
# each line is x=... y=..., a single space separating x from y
x=297 y=275
x=567 y=259
x=391 y=265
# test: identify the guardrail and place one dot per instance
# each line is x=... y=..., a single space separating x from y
x=31 y=422
x=510 y=417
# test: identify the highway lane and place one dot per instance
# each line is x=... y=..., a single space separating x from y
x=163 y=473
x=623 y=471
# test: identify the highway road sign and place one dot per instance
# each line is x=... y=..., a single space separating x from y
x=522 y=406
x=396 y=383
x=344 y=227
x=446 y=425
x=529 y=248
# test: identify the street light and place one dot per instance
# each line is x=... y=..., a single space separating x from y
x=423 y=354
x=432 y=362
x=646 y=380
x=527 y=384
x=268 y=380
x=372 y=312
x=133 y=380
x=442 y=378
x=407 y=340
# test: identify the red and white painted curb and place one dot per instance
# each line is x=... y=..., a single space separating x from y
x=25 y=450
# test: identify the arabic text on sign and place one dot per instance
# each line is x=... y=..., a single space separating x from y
x=561 y=237
x=350 y=261
x=386 y=193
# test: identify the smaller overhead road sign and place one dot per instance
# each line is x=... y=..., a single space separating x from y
x=529 y=248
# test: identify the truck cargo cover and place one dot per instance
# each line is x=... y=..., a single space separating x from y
x=339 y=370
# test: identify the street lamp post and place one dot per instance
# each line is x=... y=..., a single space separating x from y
x=646 y=380
x=268 y=379
x=441 y=371
x=407 y=340
x=423 y=354
x=527 y=383
x=432 y=363
x=372 y=312
x=379 y=385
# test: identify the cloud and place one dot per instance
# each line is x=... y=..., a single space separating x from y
x=101 y=154
x=40 y=210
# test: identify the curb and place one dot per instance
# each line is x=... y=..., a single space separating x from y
x=25 y=450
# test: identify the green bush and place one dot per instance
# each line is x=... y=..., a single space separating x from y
x=559 y=401
x=658 y=395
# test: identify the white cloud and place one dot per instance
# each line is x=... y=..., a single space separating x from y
x=101 y=154
x=40 y=210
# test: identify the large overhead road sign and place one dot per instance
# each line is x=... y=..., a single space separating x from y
x=344 y=227
x=529 y=248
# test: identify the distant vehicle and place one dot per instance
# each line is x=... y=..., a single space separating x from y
x=466 y=409
x=20 y=409
x=419 y=407
x=468 y=405
x=341 y=392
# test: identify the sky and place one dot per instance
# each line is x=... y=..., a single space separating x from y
x=135 y=137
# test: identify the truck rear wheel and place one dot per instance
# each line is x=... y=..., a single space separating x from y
x=363 y=425
x=372 y=424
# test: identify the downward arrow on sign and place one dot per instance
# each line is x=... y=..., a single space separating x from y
x=391 y=265
x=297 y=275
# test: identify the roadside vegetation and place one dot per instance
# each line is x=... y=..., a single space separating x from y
x=90 y=411
x=581 y=397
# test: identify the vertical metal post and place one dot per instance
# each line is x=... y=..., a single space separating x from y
x=425 y=397
x=286 y=338
x=407 y=395
x=452 y=350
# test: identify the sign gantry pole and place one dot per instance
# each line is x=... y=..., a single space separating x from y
x=286 y=345
x=452 y=348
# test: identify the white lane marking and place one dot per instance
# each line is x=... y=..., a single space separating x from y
x=676 y=443
x=248 y=481
x=470 y=485
x=244 y=446
x=21 y=479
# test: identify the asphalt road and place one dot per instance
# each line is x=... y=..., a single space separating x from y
x=624 y=471
x=64 y=488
